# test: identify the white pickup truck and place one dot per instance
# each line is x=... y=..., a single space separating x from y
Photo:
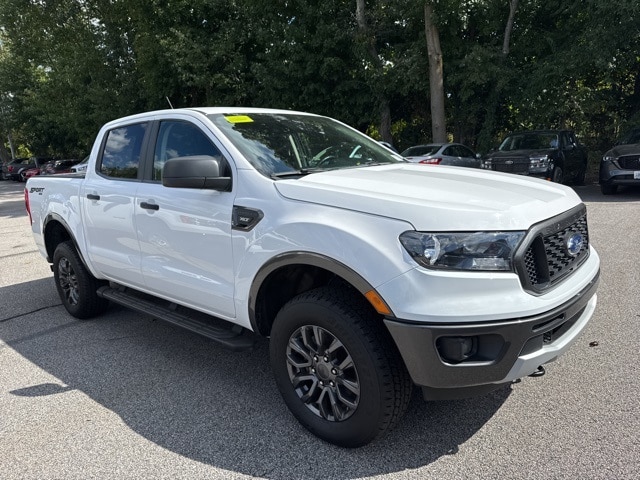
x=368 y=274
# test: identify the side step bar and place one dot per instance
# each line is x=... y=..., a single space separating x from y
x=229 y=335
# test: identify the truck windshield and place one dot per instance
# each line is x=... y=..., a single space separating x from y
x=279 y=143
x=529 y=141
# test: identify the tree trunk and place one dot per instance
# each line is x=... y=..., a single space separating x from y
x=513 y=6
x=11 y=146
x=485 y=139
x=436 y=83
x=370 y=43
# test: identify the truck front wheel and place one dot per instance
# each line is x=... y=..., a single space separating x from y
x=337 y=368
x=76 y=286
x=557 y=176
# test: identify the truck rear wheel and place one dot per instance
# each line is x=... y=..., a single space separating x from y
x=337 y=368
x=76 y=286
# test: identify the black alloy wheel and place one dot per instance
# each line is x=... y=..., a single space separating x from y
x=337 y=367
x=323 y=373
x=76 y=286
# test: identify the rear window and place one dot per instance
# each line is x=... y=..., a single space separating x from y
x=421 y=150
x=121 y=153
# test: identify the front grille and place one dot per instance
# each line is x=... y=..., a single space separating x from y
x=511 y=165
x=545 y=259
x=629 y=162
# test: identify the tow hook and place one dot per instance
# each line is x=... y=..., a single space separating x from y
x=539 y=372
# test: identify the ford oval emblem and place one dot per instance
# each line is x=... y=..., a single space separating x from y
x=574 y=244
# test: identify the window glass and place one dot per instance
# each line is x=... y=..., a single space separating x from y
x=285 y=144
x=180 y=139
x=421 y=150
x=465 y=152
x=121 y=155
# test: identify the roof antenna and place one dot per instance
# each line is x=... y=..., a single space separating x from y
x=169 y=102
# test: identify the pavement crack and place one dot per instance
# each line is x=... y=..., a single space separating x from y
x=29 y=312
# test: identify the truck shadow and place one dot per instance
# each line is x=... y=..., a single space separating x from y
x=221 y=408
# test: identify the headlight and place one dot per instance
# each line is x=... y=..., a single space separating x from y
x=464 y=250
x=613 y=160
x=539 y=161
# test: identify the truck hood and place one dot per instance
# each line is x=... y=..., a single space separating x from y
x=521 y=153
x=435 y=197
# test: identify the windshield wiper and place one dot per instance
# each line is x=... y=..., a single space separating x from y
x=297 y=173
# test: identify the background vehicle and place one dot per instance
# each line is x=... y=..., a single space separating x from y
x=553 y=155
x=81 y=166
x=3 y=170
x=9 y=167
x=17 y=170
x=389 y=146
x=26 y=174
x=454 y=154
x=59 y=166
x=367 y=273
x=621 y=164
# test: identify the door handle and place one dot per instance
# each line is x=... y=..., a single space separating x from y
x=93 y=196
x=149 y=206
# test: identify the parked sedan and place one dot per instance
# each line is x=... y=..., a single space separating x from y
x=454 y=154
x=621 y=164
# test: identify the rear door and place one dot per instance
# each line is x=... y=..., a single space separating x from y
x=185 y=234
x=467 y=157
x=108 y=203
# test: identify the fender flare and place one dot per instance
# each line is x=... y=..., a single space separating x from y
x=51 y=217
x=302 y=258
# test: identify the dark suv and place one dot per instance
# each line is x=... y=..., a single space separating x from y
x=621 y=164
x=554 y=155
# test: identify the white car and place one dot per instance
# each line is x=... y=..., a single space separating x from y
x=82 y=166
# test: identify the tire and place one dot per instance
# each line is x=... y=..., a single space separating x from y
x=581 y=176
x=337 y=368
x=76 y=286
x=608 y=189
x=557 y=176
x=22 y=176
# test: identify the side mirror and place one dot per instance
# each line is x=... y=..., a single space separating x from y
x=199 y=171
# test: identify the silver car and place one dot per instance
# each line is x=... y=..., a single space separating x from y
x=454 y=154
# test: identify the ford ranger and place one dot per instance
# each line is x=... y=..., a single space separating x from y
x=367 y=274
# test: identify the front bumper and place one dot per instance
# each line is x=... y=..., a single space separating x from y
x=503 y=351
x=611 y=174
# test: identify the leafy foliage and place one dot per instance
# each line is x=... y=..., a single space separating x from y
x=68 y=66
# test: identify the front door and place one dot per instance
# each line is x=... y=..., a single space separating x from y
x=185 y=234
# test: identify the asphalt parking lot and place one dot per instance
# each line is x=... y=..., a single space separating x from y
x=124 y=396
